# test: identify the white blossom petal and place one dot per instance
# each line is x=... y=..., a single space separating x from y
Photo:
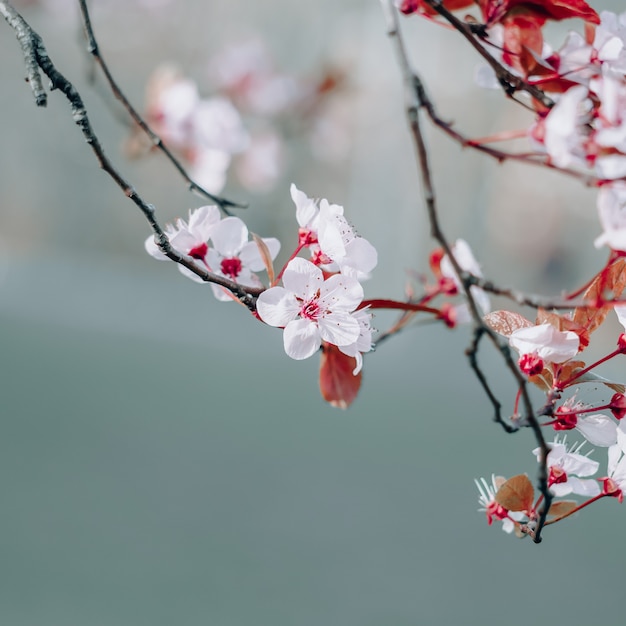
x=303 y=278
x=598 y=429
x=546 y=341
x=277 y=306
x=339 y=328
x=301 y=339
x=230 y=236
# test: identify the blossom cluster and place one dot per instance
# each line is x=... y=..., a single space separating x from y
x=220 y=246
x=579 y=125
x=321 y=296
x=246 y=121
x=320 y=299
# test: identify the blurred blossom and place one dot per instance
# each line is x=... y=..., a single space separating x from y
x=262 y=164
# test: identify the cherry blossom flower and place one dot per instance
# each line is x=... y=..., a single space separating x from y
x=307 y=216
x=206 y=131
x=569 y=469
x=234 y=257
x=468 y=263
x=545 y=341
x=612 y=212
x=189 y=238
x=331 y=240
x=260 y=166
x=312 y=309
x=364 y=341
x=615 y=483
x=597 y=429
x=486 y=499
x=610 y=41
x=565 y=130
x=353 y=255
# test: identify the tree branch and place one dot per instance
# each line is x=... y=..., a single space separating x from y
x=94 y=50
x=38 y=58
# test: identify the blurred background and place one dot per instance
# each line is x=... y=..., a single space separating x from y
x=161 y=460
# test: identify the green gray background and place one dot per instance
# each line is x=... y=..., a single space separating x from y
x=163 y=462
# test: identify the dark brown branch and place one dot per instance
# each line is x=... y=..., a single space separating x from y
x=414 y=98
x=30 y=40
x=94 y=50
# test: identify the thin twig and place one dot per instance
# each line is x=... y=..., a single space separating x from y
x=31 y=41
x=23 y=34
x=94 y=50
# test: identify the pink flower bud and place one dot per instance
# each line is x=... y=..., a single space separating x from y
x=618 y=405
x=531 y=364
x=611 y=488
x=564 y=419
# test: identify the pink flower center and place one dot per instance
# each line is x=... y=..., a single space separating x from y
x=557 y=475
x=231 y=267
x=495 y=510
x=306 y=237
x=319 y=258
x=531 y=364
x=310 y=310
x=199 y=252
x=564 y=419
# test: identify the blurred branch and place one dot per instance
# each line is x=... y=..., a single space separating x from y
x=37 y=59
x=94 y=50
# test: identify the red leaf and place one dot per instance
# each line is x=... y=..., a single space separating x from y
x=562 y=507
x=516 y=494
x=496 y=10
x=339 y=386
x=522 y=37
x=506 y=322
x=612 y=281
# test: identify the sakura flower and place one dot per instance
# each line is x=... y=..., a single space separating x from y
x=172 y=103
x=364 y=341
x=331 y=240
x=307 y=216
x=487 y=500
x=573 y=59
x=597 y=429
x=260 y=166
x=610 y=41
x=545 y=341
x=468 y=263
x=615 y=483
x=209 y=168
x=569 y=469
x=612 y=211
x=565 y=131
x=218 y=125
x=234 y=257
x=189 y=238
x=312 y=309
x=354 y=255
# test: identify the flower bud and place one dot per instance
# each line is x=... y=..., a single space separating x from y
x=531 y=364
x=618 y=405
